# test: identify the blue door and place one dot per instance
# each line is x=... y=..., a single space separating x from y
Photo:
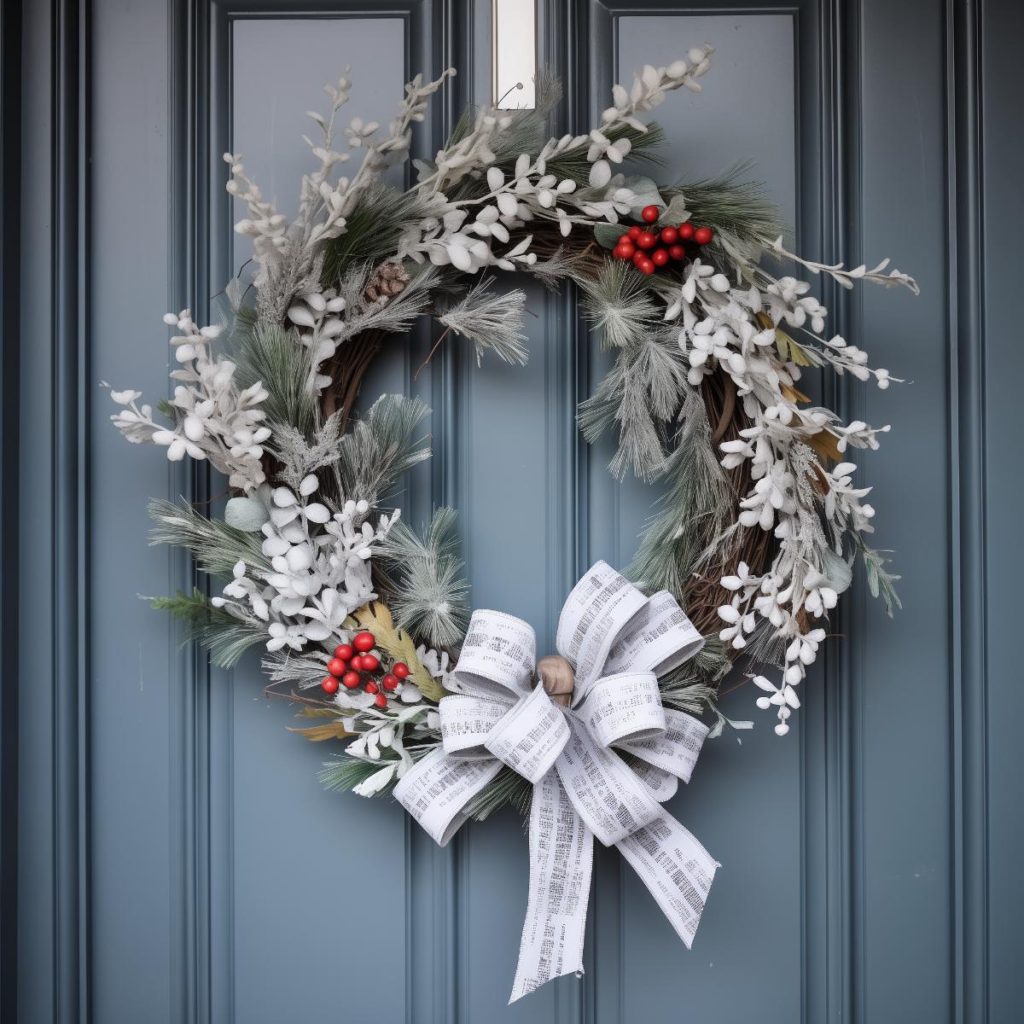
x=167 y=852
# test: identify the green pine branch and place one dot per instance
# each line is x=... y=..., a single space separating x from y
x=224 y=635
x=215 y=546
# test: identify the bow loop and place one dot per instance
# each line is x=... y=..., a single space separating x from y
x=467 y=721
x=623 y=708
x=597 y=609
x=658 y=639
x=497 y=656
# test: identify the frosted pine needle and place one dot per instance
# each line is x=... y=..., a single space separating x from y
x=619 y=305
x=430 y=593
x=493 y=321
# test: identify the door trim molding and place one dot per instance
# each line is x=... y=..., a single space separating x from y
x=964 y=24
x=10 y=363
x=51 y=618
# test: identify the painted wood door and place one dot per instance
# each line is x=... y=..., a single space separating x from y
x=168 y=855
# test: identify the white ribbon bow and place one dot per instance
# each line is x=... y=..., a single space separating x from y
x=618 y=643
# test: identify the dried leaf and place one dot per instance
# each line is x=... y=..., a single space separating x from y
x=824 y=445
x=328 y=731
x=376 y=617
x=793 y=394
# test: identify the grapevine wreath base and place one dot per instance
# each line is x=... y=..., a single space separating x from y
x=365 y=621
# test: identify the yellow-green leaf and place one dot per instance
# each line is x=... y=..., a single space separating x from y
x=328 y=731
x=790 y=351
x=376 y=617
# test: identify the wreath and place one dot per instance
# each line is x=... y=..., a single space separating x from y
x=365 y=620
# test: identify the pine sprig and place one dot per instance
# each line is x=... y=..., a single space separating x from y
x=619 y=305
x=639 y=395
x=493 y=321
x=372 y=230
x=693 y=686
x=348 y=772
x=270 y=354
x=223 y=634
x=694 y=511
x=215 y=546
x=506 y=788
x=425 y=581
x=734 y=203
x=381 y=447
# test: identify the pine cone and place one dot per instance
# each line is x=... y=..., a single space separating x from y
x=389 y=280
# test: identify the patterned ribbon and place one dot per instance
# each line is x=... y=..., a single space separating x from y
x=618 y=643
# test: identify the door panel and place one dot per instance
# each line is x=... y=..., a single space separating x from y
x=175 y=859
x=744 y=802
x=309 y=881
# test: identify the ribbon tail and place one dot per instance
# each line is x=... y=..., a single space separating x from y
x=561 y=860
x=676 y=869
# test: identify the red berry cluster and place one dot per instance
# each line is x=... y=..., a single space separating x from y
x=642 y=246
x=355 y=666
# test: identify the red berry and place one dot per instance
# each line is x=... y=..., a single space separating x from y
x=336 y=666
x=623 y=239
x=390 y=682
x=650 y=214
x=703 y=235
x=400 y=669
x=686 y=231
x=329 y=684
x=647 y=267
x=364 y=642
x=369 y=663
x=350 y=680
x=624 y=251
x=634 y=232
x=669 y=236
x=659 y=257
x=343 y=651
x=380 y=700
x=647 y=240
x=677 y=252
x=371 y=687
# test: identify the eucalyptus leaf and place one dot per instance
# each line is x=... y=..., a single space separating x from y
x=676 y=211
x=645 y=193
x=838 y=571
x=608 y=235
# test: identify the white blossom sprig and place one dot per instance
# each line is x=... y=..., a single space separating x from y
x=846 y=277
x=319 y=567
x=647 y=92
x=212 y=419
